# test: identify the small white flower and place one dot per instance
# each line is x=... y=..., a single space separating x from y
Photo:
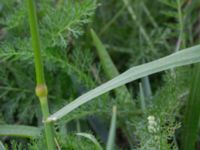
x=152 y=124
x=151 y=118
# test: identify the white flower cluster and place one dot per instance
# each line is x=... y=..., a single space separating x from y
x=152 y=125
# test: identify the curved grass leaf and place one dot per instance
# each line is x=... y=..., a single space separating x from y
x=181 y=58
x=111 y=139
x=91 y=138
x=19 y=131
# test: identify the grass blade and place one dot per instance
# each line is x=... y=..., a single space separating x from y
x=142 y=98
x=109 y=67
x=111 y=139
x=91 y=138
x=191 y=122
x=181 y=58
x=19 y=131
x=111 y=71
x=147 y=88
x=2 y=146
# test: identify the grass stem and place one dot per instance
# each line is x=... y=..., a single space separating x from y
x=41 y=88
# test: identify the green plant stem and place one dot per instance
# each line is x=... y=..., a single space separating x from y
x=41 y=89
x=48 y=127
x=192 y=114
x=35 y=42
x=142 y=98
x=111 y=139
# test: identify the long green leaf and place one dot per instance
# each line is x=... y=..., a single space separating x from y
x=181 y=58
x=19 y=131
x=111 y=139
x=192 y=114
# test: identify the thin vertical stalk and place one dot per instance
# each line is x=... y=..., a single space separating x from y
x=35 y=42
x=192 y=114
x=142 y=98
x=41 y=88
x=111 y=139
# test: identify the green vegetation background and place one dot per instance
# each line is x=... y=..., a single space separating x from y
x=134 y=32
